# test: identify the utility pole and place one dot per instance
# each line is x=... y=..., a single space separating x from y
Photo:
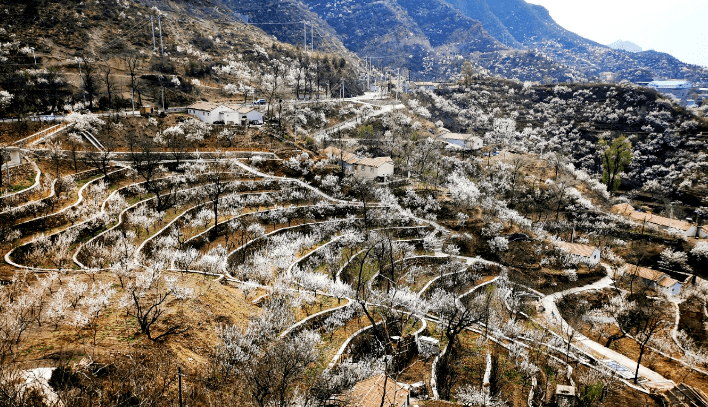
x=304 y=25
x=162 y=48
x=152 y=24
x=312 y=37
x=398 y=81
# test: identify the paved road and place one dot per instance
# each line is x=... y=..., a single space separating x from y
x=551 y=316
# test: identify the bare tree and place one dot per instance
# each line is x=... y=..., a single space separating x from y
x=108 y=83
x=146 y=296
x=89 y=78
x=133 y=60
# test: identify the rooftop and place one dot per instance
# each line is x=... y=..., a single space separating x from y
x=243 y=109
x=578 y=249
x=627 y=210
x=375 y=162
x=352 y=159
x=205 y=106
x=674 y=84
x=646 y=273
x=369 y=393
x=458 y=136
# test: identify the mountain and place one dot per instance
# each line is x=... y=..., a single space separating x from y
x=625 y=46
x=428 y=39
x=404 y=33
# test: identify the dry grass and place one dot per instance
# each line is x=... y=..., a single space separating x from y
x=213 y=305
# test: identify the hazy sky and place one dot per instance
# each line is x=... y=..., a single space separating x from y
x=679 y=27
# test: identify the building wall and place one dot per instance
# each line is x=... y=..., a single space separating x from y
x=255 y=115
x=475 y=144
x=230 y=117
x=365 y=171
x=702 y=233
x=675 y=289
x=595 y=258
x=201 y=115
x=456 y=142
x=385 y=169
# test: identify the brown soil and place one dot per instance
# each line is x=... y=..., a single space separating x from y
x=13 y=131
x=214 y=304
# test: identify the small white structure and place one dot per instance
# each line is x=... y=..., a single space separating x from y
x=234 y=115
x=588 y=255
x=372 y=168
x=468 y=141
x=13 y=157
x=249 y=115
x=210 y=112
x=657 y=279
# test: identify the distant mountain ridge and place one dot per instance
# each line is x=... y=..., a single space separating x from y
x=628 y=46
x=426 y=36
x=423 y=39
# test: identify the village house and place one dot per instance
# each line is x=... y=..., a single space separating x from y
x=380 y=168
x=234 y=115
x=468 y=141
x=656 y=279
x=677 y=88
x=662 y=223
x=588 y=255
x=370 y=393
x=249 y=115
x=209 y=112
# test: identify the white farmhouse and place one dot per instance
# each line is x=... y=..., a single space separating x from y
x=248 y=115
x=678 y=88
x=209 y=112
x=468 y=141
x=656 y=279
x=588 y=255
x=234 y=115
x=370 y=168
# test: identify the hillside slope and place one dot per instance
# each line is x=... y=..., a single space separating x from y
x=400 y=32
